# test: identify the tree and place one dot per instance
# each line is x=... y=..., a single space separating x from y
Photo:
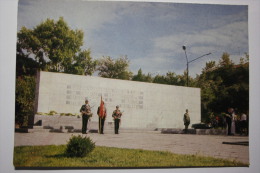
x=51 y=44
x=83 y=64
x=142 y=77
x=224 y=85
x=114 y=68
x=159 y=79
x=170 y=78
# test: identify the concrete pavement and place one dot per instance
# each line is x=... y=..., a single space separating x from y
x=205 y=145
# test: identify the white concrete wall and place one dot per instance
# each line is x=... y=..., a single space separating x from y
x=145 y=105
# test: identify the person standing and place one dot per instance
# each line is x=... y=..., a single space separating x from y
x=243 y=123
x=233 y=123
x=186 y=119
x=229 y=119
x=117 y=118
x=86 y=114
x=102 y=113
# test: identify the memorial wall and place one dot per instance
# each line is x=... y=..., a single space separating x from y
x=144 y=105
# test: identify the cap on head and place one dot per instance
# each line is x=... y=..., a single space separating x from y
x=117 y=106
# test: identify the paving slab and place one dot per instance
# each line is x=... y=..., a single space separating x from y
x=205 y=145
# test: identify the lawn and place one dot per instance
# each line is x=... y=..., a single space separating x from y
x=105 y=157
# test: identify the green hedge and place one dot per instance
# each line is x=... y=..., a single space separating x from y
x=24 y=101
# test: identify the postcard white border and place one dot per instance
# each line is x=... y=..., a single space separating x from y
x=8 y=25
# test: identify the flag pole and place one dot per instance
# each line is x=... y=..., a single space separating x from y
x=99 y=118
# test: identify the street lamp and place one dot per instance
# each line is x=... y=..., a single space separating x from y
x=184 y=48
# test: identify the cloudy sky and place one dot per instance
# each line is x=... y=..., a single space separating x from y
x=151 y=34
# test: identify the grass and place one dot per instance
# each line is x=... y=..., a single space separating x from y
x=53 y=156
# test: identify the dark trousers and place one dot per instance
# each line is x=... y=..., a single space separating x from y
x=101 y=122
x=117 y=121
x=186 y=127
x=84 y=123
x=243 y=127
x=228 y=120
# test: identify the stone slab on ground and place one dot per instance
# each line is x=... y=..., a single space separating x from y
x=177 y=131
x=195 y=131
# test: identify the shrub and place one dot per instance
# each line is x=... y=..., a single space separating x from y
x=67 y=114
x=40 y=113
x=79 y=146
x=52 y=112
x=24 y=99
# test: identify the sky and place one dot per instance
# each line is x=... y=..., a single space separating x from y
x=150 y=34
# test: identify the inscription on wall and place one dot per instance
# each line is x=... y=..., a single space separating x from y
x=125 y=98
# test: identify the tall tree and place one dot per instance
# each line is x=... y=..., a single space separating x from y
x=51 y=44
x=114 y=68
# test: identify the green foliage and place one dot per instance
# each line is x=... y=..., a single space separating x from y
x=142 y=77
x=79 y=146
x=56 y=113
x=69 y=114
x=171 y=79
x=53 y=156
x=26 y=66
x=82 y=64
x=40 y=113
x=114 y=68
x=52 y=112
x=24 y=103
x=51 y=44
x=224 y=85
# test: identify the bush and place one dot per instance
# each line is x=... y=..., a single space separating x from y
x=79 y=146
x=40 y=113
x=52 y=112
x=24 y=99
x=68 y=114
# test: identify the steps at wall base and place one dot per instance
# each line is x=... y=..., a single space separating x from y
x=21 y=130
x=38 y=130
x=211 y=132
x=71 y=129
x=195 y=131
x=177 y=131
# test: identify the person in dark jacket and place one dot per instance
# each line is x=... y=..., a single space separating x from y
x=86 y=114
x=117 y=118
x=186 y=120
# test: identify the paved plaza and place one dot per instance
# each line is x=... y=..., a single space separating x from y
x=205 y=145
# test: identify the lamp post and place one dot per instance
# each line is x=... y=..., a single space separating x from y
x=184 y=48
